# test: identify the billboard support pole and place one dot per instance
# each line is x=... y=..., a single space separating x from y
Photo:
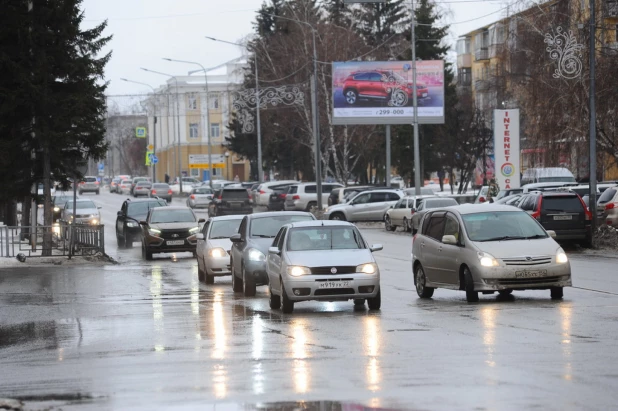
x=388 y=156
x=593 y=131
x=417 y=155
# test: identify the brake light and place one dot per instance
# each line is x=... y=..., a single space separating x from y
x=537 y=215
x=154 y=191
x=82 y=183
x=412 y=211
x=250 y=197
x=482 y=200
x=610 y=206
x=282 y=196
x=192 y=196
x=296 y=197
x=96 y=182
x=262 y=192
x=169 y=191
x=586 y=209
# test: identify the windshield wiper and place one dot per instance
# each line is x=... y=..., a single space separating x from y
x=218 y=238
x=532 y=237
x=263 y=236
x=504 y=238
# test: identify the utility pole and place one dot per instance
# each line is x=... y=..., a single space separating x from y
x=593 y=132
x=417 y=154
x=388 y=156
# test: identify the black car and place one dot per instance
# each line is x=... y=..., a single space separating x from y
x=58 y=202
x=276 y=200
x=231 y=201
x=129 y=216
x=169 y=230
x=563 y=212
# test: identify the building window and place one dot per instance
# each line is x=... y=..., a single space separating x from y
x=616 y=34
x=465 y=76
x=192 y=103
x=195 y=172
x=215 y=131
x=214 y=102
x=194 y=130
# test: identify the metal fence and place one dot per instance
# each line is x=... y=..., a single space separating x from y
x=66 y=240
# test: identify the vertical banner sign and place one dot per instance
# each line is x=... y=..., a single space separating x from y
x=506 y=148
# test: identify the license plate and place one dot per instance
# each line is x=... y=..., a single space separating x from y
x=563 y=217
x=530 y=273
x=175 y=242
x=334 y=284
x=424 y=94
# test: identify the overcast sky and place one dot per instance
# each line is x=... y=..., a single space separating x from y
x=145 y=31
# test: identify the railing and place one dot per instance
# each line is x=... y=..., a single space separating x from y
x=481 y=54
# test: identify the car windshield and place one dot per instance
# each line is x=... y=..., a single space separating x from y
x=325 y=238
x=142 y=208
x=224 y=229
x=240 y=194
x=202 y=191
x=62 y=199
x=268 y=227
x=80 y=205
x=502 y=225
x=172 y=216
x=161 y=186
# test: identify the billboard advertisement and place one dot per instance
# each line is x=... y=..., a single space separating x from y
x=506 y=148
x=381 y=92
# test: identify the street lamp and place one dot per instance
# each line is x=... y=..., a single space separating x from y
x=257 y=109
x=227 y=164
x=154 y=92
x=207 y=122
x=178 y=151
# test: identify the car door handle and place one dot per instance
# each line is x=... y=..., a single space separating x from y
x=440 y=248
x=422 y=244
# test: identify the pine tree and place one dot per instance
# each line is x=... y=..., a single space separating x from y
x=379 y=22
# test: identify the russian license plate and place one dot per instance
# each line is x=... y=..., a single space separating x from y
x=334 y=284
x=530 y=273
x=563 y=217
x=424 y=94
x=175 y=242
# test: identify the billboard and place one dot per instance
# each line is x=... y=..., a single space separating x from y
x=380 y=92
x=506 y=148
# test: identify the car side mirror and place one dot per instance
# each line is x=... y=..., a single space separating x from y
x=143 y=223
x=236 y=238
x=120 y=214
x=449 y=239
x=99 y=207
x=201 y=220
x=551 y=233
x=376 y=247
x=199 y=236
x=274 y=250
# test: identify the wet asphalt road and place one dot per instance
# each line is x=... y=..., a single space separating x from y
x=147 y=335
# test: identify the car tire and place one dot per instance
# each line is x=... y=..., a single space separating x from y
x=128 y=241
x=120 y=241
x=200 y=272
x=208 y=279
x=248 y=284
x=420 y=281
x=237 y=285
x=98 y=192
x=505 y=293
x=311 y=205
x=359 y=302
x=274 y=300
x=337 y=216
x=388 y=226
x=471 y=295
x=287 y=305
x=398 y=98
x=375 y=303
x=145 y=253
x=556 y=293
x=351 y=97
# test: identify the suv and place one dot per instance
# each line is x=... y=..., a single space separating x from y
x=561 y=211
x=89 y=184
x=400 y=215
x=607 y=206
x=377 y=85
x=229 y=201
x=366 y=206
x=263 y=191
x=303 y=196
x=169 y=230
x=129 y=216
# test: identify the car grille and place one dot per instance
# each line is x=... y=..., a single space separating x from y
x=346 y=269
x=174 y=234
x=83 y=215
x=334 y=291
x=536 y=280
x=538 y=260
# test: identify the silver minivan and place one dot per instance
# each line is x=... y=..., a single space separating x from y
x=487 y=249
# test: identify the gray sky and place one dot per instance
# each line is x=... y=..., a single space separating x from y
x=145 y=31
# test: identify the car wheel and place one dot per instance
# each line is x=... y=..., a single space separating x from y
x=359 y=302
x=287 y=306
x=311 y=205
x=120 y=241
x=145 y=253
x=248 y=284
x=338 y=216
x=351 y=97
x=128 y=241
x=471 y=295
x=421 y=280
x=200 y=272
x=406 y=225
x=505 y=293
x=98 y=192
x=398 y=98
x=387 y=224
x=375 y=303
x=556 y=293
x=274 y=300
x=209 y=279
x=236 y=282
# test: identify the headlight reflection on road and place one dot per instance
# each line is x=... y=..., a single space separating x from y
x=258 y=346
x=195 y=309
x=300 y=367
x=488 y=316
x=156 y=286
x=566 y=313
x=220 y=381
x=219 y=327
x=371 y=343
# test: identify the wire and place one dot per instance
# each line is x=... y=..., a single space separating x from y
x=286 y=77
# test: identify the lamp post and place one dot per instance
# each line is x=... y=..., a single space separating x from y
x=257 y=110
x=154 y=92
x=178 y=151
x=227 y=164
x=207 y=122
x=417 y=154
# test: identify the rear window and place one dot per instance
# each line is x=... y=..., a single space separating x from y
x=240 y=194
x=161 y=186
x=293 y=190
x=90 y=179
x=607 y=196
x=143 y=184
x=442 y=202
x=204 y=190
x=568 y=204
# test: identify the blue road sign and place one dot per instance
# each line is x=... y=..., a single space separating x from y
x=101 y=166
x=154 y=159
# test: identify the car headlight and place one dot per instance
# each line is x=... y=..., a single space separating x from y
x=194 y=230
x=56 y=209
x=254 y=254
x=487 y=260
x=369 y=268
x=131 y=224
x=154 y=231
x=297 y=270
x=561 y=257
x=217 y=252
x=94 y=221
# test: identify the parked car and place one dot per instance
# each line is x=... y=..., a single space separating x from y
x=338 y=194
x=486 y=249
x=136 y=180
x=200 y=197
x=58 y=202
x=214 y=247
x=86 y=212
x=382 y=85
x=230 y=201
x=366 y=206
x=428 y=204
x=187 y=185
x=125 y=187
x=276 y=202
x=250 y=246
x=547 y=175
x=128 y=218
x=264 y=190
x=513 y=200
x=508 y=192
x=303 y=196
x=89 y=184
x=528 y=188
x=142 y=188
x=350 y=192
x=425 y=191
x=581 y=189
x=400 y=214
x=563 y=212
x=114 y=185
x=308 y=259
x=607 y=206
x=482 y=195
x=169 y=229
x=162 y=191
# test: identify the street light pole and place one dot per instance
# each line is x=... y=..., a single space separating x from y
x=154 y=92
x=207 y=122
x=593 y=132
x=417 y=154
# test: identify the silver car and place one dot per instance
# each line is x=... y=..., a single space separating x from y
x=487 y=249
x=142 y=188
x=322 y=260
x=200 y=197
x=214 y=245
x=365 y=206
x=87 y=212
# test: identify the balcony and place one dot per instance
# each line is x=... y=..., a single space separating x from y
x=611 y=9
x=481 y=54
x=481 y=85
x=464 y=60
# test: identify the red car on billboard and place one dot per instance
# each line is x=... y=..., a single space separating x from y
x=381 y=85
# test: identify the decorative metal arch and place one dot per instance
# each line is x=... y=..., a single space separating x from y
x=245 y=101
x=563 y=47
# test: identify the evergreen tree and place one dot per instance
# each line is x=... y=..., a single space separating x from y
x=337 y=13
x=379 y=22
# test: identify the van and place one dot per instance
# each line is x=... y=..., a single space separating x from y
x=547 y=175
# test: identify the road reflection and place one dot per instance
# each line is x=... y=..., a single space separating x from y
x=566 y=313
x=218 y=331
x=156 y=286
x=488 y=317
x=371 y=342
x=300 y=369
x=258 y=346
